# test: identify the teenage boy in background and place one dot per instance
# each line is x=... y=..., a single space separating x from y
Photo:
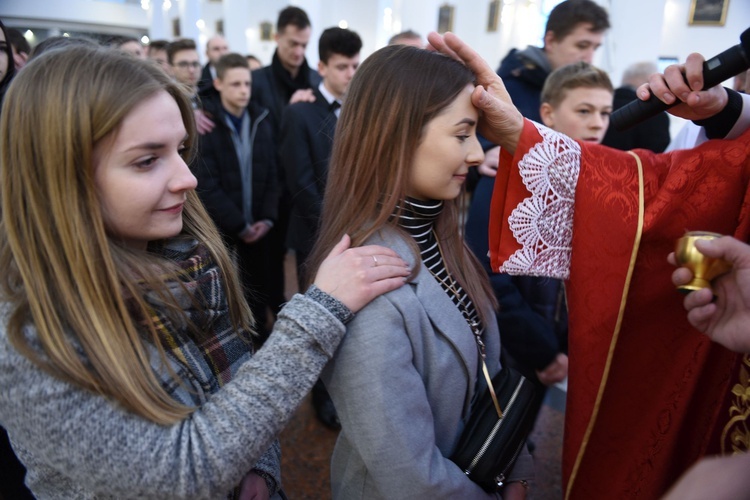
x=237 y=178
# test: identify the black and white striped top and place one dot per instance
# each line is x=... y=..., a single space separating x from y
x=418 y=218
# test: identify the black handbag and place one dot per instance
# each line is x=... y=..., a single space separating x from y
x=498 y=426
x=499 y=421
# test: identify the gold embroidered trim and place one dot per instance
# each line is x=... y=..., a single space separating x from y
x=615 y=336
x=735 y=438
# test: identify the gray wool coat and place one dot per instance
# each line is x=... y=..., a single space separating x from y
x=402 y=382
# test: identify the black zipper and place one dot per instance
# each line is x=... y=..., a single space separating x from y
x=494 y=431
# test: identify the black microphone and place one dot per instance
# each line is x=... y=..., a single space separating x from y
x=729 y=63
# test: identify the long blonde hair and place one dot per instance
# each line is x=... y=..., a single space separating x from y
x=62 y=273
x=390 y=100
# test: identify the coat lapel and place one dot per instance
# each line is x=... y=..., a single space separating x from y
x=446 y=319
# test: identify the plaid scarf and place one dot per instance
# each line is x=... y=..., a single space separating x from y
x=209 y=358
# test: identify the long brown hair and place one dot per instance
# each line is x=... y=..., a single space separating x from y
x=392 y=97
x=62 y=272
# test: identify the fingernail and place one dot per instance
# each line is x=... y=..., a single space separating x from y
x=668 y=98
x=684 y=96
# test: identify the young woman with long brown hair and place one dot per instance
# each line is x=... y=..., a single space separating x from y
x=404 y=378
x=125 y=341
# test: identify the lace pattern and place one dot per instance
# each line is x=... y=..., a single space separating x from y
x=543 y=223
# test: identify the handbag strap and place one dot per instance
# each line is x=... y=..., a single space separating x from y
x=448 y=284
x=491 y=387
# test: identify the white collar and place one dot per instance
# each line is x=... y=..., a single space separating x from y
x=329 y=97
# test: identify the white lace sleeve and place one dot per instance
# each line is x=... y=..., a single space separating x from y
x=543 y=223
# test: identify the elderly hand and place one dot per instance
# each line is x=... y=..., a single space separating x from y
x=500 y=121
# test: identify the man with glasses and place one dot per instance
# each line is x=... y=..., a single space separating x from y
x=183 y=58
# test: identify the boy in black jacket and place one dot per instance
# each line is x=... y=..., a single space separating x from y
x=237 y=177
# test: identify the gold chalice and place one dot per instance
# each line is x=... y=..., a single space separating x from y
x=704 y=268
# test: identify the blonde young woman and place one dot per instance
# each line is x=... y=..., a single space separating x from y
x=125 y=358
x=404 y=378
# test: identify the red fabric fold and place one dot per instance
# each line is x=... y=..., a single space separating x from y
x=668 y=390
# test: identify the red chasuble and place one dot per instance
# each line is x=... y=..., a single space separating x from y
x=647 y=394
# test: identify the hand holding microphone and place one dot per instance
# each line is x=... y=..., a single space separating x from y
x=684 y=83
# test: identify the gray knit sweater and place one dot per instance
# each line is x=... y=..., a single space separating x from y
x=76 y=444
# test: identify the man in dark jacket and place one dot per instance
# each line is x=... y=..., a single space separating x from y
x=237 y=177
x=287 y=80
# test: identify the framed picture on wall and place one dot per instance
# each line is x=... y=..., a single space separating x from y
x=708 y=12
x=493 y=16
x=445 y=18
x=266 y=31
x=665 y=61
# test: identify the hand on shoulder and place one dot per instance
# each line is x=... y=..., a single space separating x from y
x=355 y=276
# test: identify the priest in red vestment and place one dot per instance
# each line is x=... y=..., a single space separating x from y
x=648 y=395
